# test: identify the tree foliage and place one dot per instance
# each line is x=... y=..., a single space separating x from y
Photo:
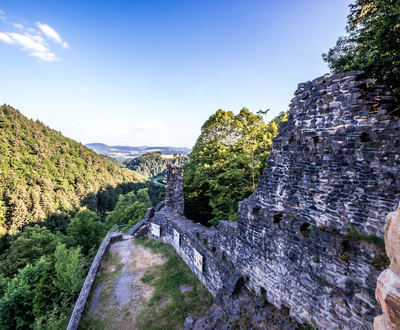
x=130 y=209
x=226 y=163
x=16 y=305
x=43 y=172
x=372 y=42
x=67 y=190
x=153 y=163
x=86 y=231
x=29 y=247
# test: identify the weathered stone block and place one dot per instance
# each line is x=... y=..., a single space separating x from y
x=388 y=295
x=392 y=240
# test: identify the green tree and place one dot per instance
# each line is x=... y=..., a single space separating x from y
x=130 y=208
x=152 y=164
x=16 y=305
x=3 y=211
x=60 y=282
x=32 y=244
x=68 y=273
x=226 y=163
x=85 y=230
x=372 y=42
x=43 y=172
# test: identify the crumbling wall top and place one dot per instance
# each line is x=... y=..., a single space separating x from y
x=174 y=191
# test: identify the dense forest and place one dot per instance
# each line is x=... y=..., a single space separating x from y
x=58 y=199
x=226 y=163
x=154 y=163
x=44 y=173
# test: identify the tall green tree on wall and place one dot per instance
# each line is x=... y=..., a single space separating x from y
x=372 y=42
x=226 y=163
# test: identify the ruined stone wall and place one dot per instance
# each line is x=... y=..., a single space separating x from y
x=333 y=166
x=336 y=160
x=174 y=191
x=216 y=246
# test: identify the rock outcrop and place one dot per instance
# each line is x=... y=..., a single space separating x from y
x=388 y=285
x=308 y=238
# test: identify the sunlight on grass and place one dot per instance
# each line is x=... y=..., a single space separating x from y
x=168 y=308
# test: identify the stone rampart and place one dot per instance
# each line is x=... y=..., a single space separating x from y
x=87 y=285
x=333 y=170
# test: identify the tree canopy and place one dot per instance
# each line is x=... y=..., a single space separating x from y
x=226 y=163
x=372 y=42
x=43 y=173
x=130 y=209
x=153 y=163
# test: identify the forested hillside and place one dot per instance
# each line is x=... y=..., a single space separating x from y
x=74 y=196
x=154 y=163
x=44 y=173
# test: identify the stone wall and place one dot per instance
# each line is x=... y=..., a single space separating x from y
x=174 y=191
x=336 y=160
x=87 y=285
x=334 y=167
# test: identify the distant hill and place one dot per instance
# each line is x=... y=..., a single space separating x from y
x=126 y=152
x=152 y=164
x=42 y=173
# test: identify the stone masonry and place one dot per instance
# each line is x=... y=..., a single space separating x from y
x=174 y=192
x=334 y=168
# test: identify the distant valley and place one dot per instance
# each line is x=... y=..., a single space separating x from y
x=126 y=152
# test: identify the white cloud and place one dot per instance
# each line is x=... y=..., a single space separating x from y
x=45 y=56
x=33 y=41
x=3 y=16
x=5 y=38
x=33 y=44
x=18 y=26
x=50 y=33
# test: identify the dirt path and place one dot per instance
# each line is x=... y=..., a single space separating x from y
x=118 y=293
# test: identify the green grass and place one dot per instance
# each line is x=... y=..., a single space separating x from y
x=168 y=308
x=372 y=238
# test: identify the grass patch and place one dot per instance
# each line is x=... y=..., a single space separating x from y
x=372 y=238
x=168 y=308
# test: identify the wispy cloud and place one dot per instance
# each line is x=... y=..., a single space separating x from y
x=3 y=16
x=18 y=26
x=34 y=45
x=50 y=33
x=32 y=41
x=5 y=38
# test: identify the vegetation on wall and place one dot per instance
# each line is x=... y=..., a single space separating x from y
x=372 y=42
x=226 y=163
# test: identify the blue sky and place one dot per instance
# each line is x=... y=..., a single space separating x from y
x=151 y=72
